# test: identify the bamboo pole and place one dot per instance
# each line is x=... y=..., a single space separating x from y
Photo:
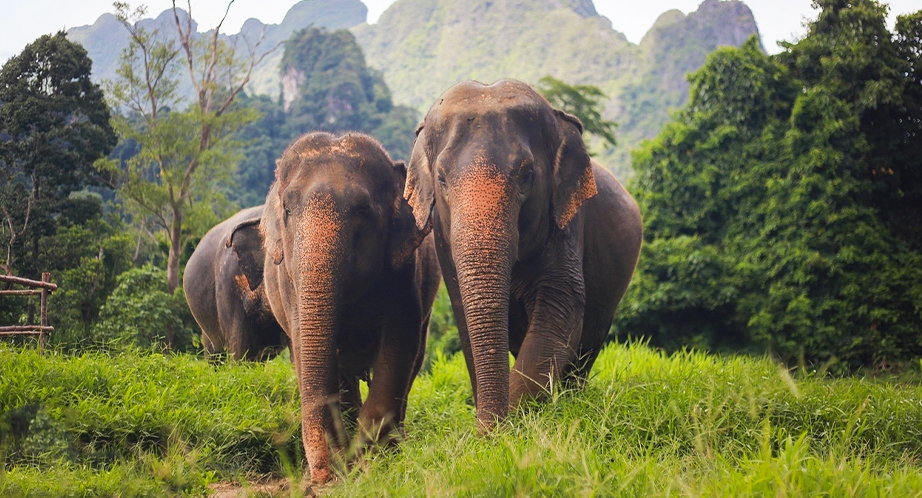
x=26 y=281
x=46 y=279
x=35 y=292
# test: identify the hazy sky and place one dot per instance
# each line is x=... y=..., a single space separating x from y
x=25 y=20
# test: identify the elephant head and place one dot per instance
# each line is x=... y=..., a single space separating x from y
x=495 y=170
x=335 y=225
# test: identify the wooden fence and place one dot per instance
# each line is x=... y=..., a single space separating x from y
x=43 y=289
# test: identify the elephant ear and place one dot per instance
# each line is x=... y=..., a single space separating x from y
x=405 y=235
x=573 y=178
x=247 y=243
x=418 y=190
x=270 y=226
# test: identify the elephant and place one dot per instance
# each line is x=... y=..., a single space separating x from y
x=352 y=281
x=231 y=309
x=537 y=242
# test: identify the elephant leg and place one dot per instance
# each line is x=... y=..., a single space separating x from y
x=211 y=349
x=392 y=376
x=596 y=325
x=450 y=277
x=551 y=342
x=350 y=399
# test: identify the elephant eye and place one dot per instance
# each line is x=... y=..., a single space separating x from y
x=442 y=181
x=365 y=211
x=527 y=177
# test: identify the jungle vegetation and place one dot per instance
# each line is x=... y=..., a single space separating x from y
x=778 y=294
x=782 y=205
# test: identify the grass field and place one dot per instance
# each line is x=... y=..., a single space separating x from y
x=647 y=424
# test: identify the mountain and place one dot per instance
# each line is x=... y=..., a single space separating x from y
x=107 y=38
x=424 y=46
x=329 y=14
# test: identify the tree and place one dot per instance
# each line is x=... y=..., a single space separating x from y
x=187 y=151
x=327 y=86
x=334 y=90
x=850 y=52
x=53 y=125
x=582 y=101
x=766 y=219
x=141 y=309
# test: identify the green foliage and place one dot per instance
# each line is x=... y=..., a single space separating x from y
x=850 y=53
x=767 y=222
x=90 y=257
x=327 y=87
x=186 y=152
x=141 y=312
x=138 y=423
x=583 y=101
x=646 y=424
x=53 y=125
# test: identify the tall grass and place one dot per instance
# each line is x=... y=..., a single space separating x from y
x=646 y=424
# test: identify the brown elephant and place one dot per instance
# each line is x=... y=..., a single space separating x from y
x=352 y=281
x=537 y=243
x=231 y=309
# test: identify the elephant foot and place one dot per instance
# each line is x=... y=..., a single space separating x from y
x=317 y=480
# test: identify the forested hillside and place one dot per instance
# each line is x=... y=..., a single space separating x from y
x=107 y=38
x=782 y=205
x=327 y=86
x=425 y=46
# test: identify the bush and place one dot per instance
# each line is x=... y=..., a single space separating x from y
x=141 y=313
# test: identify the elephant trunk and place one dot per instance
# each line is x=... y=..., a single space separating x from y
x=484 y=244
x=319 y=258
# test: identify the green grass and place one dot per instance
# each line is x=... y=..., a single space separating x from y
x=647 y=424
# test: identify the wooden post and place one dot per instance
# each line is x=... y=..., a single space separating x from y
x=46 y=278
x=46 y=288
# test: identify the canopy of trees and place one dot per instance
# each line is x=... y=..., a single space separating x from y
x=53 y=125
x=782 y=205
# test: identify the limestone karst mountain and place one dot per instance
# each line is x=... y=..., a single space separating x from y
x=106 y=38
x=424 y=46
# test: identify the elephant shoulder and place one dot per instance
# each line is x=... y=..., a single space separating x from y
x=613 y=206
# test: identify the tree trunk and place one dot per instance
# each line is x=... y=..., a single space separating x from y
x=172 y=267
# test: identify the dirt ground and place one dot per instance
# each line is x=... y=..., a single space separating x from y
x=270 y=488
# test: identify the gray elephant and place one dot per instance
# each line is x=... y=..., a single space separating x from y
x=537 y=243
x=352 y=281
x=230 y=307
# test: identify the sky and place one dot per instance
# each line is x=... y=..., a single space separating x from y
x=25 y=20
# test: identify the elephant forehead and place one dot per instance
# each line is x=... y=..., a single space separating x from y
x=501 y=91
x=342 y=148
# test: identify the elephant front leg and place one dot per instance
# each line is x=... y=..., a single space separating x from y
x=552 y=340
x=381 y=416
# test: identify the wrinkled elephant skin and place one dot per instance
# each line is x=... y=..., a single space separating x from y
x=352 y=281
x=231 y=309
x=537 y=243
